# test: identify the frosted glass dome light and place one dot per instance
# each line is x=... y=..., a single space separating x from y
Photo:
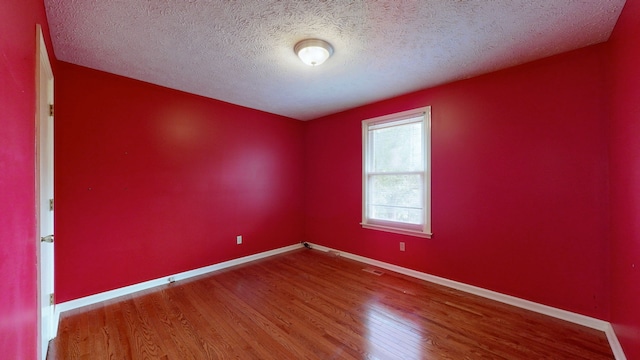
x=313 y=52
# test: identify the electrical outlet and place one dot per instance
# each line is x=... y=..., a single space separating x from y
x=239 y=239
x=401 y=246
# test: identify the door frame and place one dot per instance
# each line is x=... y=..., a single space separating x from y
x=46 y=331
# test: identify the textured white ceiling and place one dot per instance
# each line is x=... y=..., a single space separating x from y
x=242 y=51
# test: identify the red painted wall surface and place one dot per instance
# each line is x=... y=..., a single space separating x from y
x=519 y=183
x=18 y=252
x=625 y=179
x=153 y=181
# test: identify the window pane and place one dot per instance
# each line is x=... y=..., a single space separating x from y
x=396 y=198
x=397 y=148
x=396 y=186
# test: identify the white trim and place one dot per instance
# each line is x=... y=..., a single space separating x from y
x=400 y=118
x=396 y=230
x=44 y=87
x=112 y=294
x=56 y=319
x=616 y=348
x=402 y=115
x=575 y=318
x=569 y=316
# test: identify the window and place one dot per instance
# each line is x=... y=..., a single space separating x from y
x=396 y=177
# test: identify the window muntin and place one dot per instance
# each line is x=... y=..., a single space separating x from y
x=396 y=174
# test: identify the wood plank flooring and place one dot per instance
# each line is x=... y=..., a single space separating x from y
x=307 y=304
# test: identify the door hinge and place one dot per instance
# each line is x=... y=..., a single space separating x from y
x=50 y=109
x=47 y=239
x=50 y=204
x=52 y=300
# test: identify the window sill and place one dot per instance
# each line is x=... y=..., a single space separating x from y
x=397 y=230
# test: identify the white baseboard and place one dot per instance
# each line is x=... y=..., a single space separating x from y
x=112 y=294
x=616 y=348
x=575 y=318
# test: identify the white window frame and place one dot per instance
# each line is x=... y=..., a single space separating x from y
x=424 y=229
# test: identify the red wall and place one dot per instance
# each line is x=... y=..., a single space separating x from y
x=625 y=179
x=18 y=253
x=152 y=181
x=519 y=162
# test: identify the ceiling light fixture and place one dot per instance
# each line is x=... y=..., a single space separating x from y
x=313 y=52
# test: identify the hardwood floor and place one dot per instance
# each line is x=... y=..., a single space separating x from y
x=307 y=304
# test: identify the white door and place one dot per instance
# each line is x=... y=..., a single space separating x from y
x=44 y=121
